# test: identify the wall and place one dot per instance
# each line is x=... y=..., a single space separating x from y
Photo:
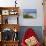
x=32 y=4
x=44 y=12
x=7 y=3
x=27 y=4
x=44 y=20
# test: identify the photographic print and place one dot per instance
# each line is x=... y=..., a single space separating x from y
x=5 y=12
x=29 y=13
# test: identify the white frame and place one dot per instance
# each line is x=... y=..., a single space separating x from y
x=5 y=12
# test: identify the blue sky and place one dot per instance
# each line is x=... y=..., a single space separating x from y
x=29 y=10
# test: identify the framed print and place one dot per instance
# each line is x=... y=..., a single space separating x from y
x=5 y=12
x=29 y=13
x=12 y=12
